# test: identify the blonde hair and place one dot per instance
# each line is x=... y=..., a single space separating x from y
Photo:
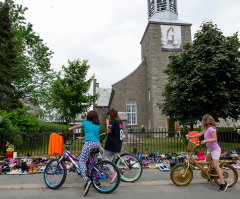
x=208 y=121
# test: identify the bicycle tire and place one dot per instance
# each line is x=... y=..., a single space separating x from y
x=176 y=175
x=131 y=168
x=54 y=178
x=103 y=178
x=230 y=175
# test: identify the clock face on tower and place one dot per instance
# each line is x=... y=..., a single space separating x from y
x=171 y=38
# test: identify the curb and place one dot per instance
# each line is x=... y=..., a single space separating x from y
x=122 y=184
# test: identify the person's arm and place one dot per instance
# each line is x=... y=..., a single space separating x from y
x=108 y=129
x=197 y=135
x=213 y=139
x=80 y=138
x=75 y=127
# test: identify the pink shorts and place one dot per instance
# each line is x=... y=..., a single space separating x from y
x=215 y=154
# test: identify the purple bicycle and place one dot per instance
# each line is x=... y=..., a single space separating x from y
x=55 y=172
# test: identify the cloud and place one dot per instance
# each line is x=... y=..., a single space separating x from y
x=108 y=32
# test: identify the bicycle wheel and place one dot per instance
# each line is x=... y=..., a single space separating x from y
x=55 y=176
x=177 y=172
x=101 y=179
x=229 y=174
x=130 y=167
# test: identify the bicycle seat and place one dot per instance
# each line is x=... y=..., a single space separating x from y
x=95 y=151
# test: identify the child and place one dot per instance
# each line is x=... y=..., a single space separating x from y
x=91 y=141
x=213 y=149
x=114 y=139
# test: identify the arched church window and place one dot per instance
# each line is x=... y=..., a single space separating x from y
x=131 y=110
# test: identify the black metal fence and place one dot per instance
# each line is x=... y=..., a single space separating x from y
x=37 y=143
x=167 y=142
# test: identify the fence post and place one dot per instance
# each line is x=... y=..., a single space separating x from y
x=123 y=117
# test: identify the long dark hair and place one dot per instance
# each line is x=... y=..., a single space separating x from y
x=113 y=114
x=93 y=117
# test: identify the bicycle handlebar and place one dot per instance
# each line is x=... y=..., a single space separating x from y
x=102 y=134
x=180 y=137
x=65 y=138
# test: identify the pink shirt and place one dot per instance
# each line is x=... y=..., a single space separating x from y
x=207 y=135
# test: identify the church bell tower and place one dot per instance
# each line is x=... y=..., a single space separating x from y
x=164 y=34
x=162 y=10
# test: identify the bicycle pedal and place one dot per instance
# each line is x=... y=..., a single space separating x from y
x=212 y=183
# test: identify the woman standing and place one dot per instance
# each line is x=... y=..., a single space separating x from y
x=115 y=137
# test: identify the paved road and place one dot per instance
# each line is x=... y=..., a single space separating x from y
x=152 y=184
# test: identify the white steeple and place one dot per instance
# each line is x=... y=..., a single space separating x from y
x=162 y=10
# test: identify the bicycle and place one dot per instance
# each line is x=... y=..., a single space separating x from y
x=55 y=172
x=130 y=166
x=182 y=173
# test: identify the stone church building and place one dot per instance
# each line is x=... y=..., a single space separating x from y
x=139 y=92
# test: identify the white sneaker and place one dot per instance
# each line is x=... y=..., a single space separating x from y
x=135 y=165
x=14 y=172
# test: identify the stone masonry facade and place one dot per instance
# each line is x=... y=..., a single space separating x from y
x=147 y=78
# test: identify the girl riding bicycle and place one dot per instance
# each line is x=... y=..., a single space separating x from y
x=91 y=141
x=115 y=136
x=213 y=149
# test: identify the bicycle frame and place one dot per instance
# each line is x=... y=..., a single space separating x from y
x=73 y=159
x=114 y=154
x=200 y=163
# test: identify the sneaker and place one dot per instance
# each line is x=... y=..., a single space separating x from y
x=87 y=187
x=113 y=176
x=14 y=172
x=223 y=187
x=165 y=167
x=21 y=172
x=25 y=172
x=161 y=168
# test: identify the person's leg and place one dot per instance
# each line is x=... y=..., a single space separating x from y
x=94 y=158
x=215 y=156
x=208 y=157
x=219 y=170
x=85 y=153
x=106 y=156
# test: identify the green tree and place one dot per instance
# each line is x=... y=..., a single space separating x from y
x=68 y=95
x=204 y=78
x=9 y=95
x=33 y=68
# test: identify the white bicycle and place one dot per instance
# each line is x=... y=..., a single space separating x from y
x=130 y=165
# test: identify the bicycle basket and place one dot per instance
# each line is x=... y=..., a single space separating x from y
x=191 y=146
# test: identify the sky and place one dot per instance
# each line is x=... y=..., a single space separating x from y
x=108 y=32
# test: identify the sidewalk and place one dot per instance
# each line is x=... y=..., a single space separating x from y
x=150 y=177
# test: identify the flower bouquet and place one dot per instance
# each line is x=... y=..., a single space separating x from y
x=10 y=150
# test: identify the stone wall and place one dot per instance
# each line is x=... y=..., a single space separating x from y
x=132 y=87
x=147 y=78
x=102 y=115
x=157 y=61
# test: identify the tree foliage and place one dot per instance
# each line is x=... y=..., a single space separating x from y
x=68 y=95
x=20 y=120
x=33 y=56
x=9 y=95
x=204 y=78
